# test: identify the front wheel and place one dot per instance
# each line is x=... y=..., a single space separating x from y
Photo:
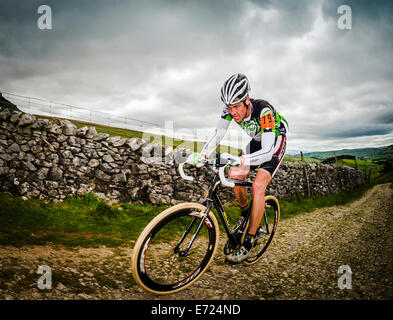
x=266 y=231
x=175 y=248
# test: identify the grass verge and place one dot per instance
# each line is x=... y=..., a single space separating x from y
x=80 y=221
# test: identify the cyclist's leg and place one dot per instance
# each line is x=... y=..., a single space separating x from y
x=240 y=191
x=241 y=173
x=260 y=183
x=262 y=179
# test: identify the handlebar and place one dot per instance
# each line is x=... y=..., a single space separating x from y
x=182 y=174
x=224 y=181
x=221 y=171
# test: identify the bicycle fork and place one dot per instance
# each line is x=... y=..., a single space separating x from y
x=184 y=253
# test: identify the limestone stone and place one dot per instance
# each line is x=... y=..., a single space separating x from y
x=15 y=116
x=42 y=173
x=94 y=163
x=102 y=175
x=69 y=129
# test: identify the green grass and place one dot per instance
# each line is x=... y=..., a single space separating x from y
x=385 y=178
x=88 y=221
x=369 y=168
x=291 y=158
x=360 y=152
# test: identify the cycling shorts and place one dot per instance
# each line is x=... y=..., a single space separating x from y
x=278 y=154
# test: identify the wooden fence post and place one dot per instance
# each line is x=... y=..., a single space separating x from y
x=305 y=173
x=356 y=164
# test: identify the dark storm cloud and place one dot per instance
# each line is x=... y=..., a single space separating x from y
x=162 y=60
x=355 y=131
x=108 y=45
x=349 y=74
x=293 y=18
x=388 y=119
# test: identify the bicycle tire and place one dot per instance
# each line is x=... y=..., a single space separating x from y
x=272 y=210
x=154 y=249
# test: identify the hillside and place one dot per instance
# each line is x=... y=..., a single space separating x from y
x=380 y=153
x=388 y=149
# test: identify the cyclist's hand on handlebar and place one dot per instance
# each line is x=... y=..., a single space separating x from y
x=196 y=159
x=234 y=160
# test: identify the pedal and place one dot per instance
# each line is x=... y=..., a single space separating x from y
x=228 y=249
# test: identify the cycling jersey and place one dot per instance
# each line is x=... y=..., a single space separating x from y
x=264 y=125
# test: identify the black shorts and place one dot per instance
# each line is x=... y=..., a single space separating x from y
x=278 y=155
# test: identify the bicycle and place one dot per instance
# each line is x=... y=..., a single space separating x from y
x=178 y=245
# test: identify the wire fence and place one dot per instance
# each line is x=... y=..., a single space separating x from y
x=44 y=107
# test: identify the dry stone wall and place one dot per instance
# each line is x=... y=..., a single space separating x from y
x=54 y=159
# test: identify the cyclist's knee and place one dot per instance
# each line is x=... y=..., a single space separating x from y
x=261 y=181
x=237 y=173
x=259 y=187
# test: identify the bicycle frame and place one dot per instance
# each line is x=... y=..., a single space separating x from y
x=213 y=199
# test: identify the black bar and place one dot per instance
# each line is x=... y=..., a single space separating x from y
x=220 y=210
x=199 y=309
x=195 y=234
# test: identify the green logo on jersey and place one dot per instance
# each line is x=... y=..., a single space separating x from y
x=251 y=126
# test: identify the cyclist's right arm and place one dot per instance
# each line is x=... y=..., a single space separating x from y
x=214 y=140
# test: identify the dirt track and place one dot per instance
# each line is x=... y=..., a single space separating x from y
x=302 y=262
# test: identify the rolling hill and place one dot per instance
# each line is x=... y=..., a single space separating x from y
x=380 y=153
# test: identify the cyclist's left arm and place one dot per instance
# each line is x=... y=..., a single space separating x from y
x=263 y=155
x=268 y=138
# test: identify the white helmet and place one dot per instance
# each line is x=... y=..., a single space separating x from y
x=235 y=88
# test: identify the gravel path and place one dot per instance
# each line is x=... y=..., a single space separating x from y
x=302 y=262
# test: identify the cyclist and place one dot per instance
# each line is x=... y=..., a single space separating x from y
x=264 y=152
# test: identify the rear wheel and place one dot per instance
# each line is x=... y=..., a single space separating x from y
x=266 y=231
x=171 y=253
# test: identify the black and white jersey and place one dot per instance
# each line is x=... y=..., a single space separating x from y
x=264 y=125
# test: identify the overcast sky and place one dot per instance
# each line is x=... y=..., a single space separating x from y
x=166 y=60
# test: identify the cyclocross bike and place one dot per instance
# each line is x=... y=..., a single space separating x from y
x=179 y=244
